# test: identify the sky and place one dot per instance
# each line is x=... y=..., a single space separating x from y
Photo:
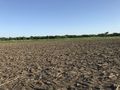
x=58 y=17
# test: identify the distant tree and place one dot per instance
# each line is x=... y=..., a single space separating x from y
x=103 y=34
x=106 y=33
x=116 y=34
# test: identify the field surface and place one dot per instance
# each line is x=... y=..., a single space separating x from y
x=68 y=64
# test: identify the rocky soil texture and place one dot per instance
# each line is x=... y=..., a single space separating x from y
x=70 y=64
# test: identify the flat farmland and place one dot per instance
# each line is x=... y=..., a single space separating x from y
x=60 y=64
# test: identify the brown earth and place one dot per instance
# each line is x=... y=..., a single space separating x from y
x=70 y=64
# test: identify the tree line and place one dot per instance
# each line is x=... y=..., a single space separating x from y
x=106 y=34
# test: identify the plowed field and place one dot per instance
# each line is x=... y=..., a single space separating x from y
x=69 y=64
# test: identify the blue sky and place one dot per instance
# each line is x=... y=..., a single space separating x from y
x=58 y=17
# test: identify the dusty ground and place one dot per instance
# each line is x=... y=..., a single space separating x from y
x=73 y=64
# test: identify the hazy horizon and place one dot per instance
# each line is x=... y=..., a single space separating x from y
x=58 y=17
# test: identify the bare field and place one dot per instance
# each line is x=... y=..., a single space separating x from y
x=69 y=64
